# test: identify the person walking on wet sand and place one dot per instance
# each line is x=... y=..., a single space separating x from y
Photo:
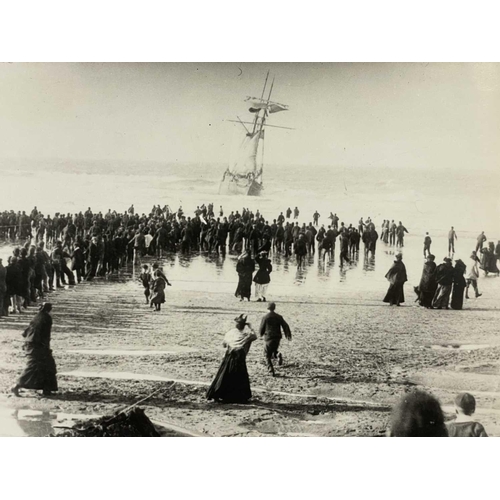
x=270 y=328
x=262 y=276
x=397 y=278
x=473 y=276
x=40 y=372
x=157 y=285
x=480 y=240
x=232 y=384
x=145 y=279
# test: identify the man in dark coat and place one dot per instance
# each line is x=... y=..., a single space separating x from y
x=270 y=328
x=300 y=248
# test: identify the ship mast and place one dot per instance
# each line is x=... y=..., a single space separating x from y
x=257 y=115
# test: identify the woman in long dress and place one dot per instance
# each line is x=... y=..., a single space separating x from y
x=245 y=268
x=428 y=285
x=262 y=276
x=457 y=296
x=40 y=372
x=397 y=278
x=231 y=384
x=158 y=283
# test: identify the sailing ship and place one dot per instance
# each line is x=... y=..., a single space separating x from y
x=244 y=175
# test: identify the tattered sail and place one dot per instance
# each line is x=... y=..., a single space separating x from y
x=246 y=160
x=244 y=175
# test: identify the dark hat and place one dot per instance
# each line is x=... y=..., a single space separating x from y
x=447 y=259
x=271 y=306
x=241 y=319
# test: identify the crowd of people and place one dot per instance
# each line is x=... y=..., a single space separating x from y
x=65 y=249
x=95 y=245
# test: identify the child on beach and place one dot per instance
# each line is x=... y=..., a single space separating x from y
x=145 y=279
x=463 y=425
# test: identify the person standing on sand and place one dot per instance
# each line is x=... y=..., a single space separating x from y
x=232 y=384
x=452 y=236
x=457 y=296
x=427 y=287
x=40 y=372
x=427 y=245
x=400 y=234
x=444 y=277
x=270 y=328
x=397 y=278
x=473 y=276
x=300 y=248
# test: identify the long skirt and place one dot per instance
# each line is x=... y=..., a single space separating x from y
x=40 y=372
x=244 y=289
x=441 y=297
x=231 y=384
x=395 y=294
x=457 y=297
x=158 y=297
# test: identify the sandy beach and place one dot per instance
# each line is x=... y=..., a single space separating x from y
x=350 y=359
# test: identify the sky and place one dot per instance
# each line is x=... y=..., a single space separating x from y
x=429 y=115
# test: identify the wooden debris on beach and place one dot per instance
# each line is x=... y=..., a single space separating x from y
x=132 y=423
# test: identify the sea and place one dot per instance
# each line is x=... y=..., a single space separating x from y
x=425 y=200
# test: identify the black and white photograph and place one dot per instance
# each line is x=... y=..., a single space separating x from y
x=249 y=249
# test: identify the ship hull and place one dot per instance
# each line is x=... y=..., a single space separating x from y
x=230 y=186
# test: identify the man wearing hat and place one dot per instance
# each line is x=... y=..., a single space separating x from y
x=270 y=328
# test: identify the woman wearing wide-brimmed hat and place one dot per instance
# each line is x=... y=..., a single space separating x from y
x=231 y=384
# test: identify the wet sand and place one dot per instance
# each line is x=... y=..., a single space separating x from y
x=350 y=359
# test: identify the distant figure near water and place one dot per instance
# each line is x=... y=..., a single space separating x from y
x=452 y=236
x=245 y=268
x=262 y=276
x=427 y=245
